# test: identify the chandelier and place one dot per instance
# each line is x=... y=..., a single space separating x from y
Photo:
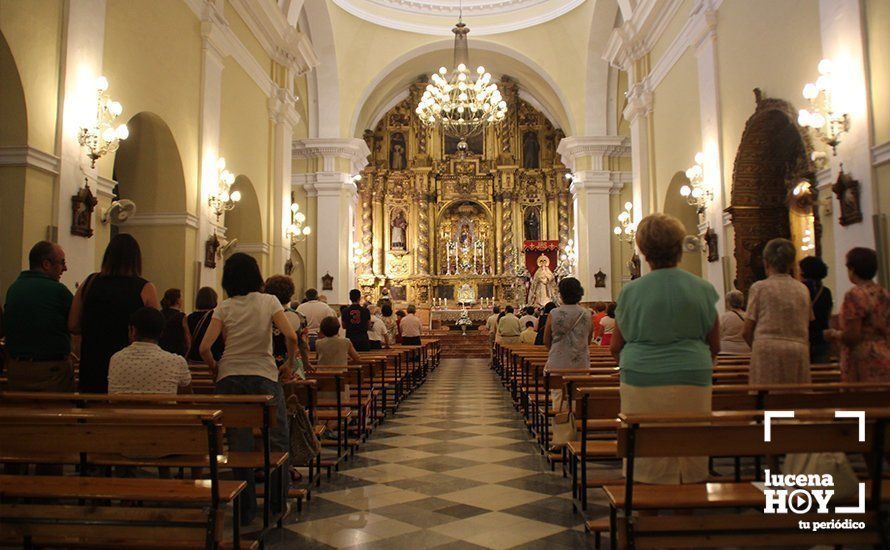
x=224 y=199
x=297 y=230
x=461 y=103
x=626 y=229
x=697 y=194
x=101 y=137
x=829 y=125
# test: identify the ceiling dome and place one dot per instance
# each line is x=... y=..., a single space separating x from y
x=436 y=17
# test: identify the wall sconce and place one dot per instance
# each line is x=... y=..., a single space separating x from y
x=101 y=136
x=829 y=125
x=626 y=230
x=297 y=230
x=568 y=259
x=357 y=255
x=224 y=199
x=697 y=194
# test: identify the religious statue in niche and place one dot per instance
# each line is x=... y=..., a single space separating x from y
x=531 y=150
x=599 y=279
x=711 y=243
x=398 y=230
x=211 y=247
x=397 y=154
x=542 y=285
x=634 y=266
x=82 y=206
x=466 y=294
x=532 y=224
x=846 y=189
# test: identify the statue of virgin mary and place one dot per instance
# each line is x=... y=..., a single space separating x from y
x=542 y=288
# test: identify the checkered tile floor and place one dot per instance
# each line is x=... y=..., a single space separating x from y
x=454 y=468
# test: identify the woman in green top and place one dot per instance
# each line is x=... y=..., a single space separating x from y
x=666 y=339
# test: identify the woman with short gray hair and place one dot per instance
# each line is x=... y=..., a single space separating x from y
x=778 y=319
x=732 y=324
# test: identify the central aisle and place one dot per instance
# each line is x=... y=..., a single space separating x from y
x=454 y=468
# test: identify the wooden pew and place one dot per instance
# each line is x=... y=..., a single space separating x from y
x=84 y=517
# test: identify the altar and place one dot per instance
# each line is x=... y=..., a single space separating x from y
x=448 y=317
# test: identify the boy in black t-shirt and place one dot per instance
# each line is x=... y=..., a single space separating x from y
x=356 y=320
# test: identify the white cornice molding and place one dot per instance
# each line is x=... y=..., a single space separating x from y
x=880 y=154
x=254 y=248
x=701 y=24
x=105 y=187
x=597 y=148
x=164 y=218
x=29 y=157
x=328 y=149
x=596 y=182
x=281 y=41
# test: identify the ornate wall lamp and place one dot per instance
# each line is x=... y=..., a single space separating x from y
x=823 y=118
x=100 y=136
x=224 y=199
x=626 y=231
x=297 y=230
x=697 y=193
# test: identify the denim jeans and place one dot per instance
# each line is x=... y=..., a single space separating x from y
x=241 y=439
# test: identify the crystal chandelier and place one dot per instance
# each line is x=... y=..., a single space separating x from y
x=297 y=230
x=697 y=194
x=460 y=105
x=224 y=199
x=829 y=125
x=101 y=137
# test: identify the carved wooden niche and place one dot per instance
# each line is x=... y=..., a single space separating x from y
x=82 y=206
x=846 y=189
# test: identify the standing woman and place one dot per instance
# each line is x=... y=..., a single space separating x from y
x=777 y=325
x=389 y=321
x=197 y=322
x=665 y=338
x=102 y=307
x=865 y=322
x=542 y=323
x=175 y=338
x=812 y=271
x=569 y=329
x=247 y=366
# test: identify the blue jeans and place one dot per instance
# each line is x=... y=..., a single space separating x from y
x=241 y=439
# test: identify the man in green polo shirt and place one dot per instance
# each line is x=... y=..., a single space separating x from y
x=35 y=320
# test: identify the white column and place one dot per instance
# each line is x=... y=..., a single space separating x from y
x=284 y=116
x=637 y=112
x=336 y=161
x=842 y=43
x=592 y=233
x=709 y=105
x=212 y=65
x=81 y=61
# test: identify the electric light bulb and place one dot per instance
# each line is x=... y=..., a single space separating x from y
x=689 y=174
x=101 y=83
x=622 y=217
x=230 y=178
x=699 y=158
x=628 y=205
x=294 y=207
x=108 y=135
x=236 y=196
x=803 y=118
x=224 y=196
x=307 y=230
x=817 y=120
x=480 y=70
x=810 y=91
x=116 y=108
x=629 y=229
x=823 y=82
x=221 y=163
x=291 y=229
x=617 y=230
x=443 y=71
x=122 y=132
x=461 y=67
x=300 y=217
x=825 y=66
x=697 y=193
x=685 y=191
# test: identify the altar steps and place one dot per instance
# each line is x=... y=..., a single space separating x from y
x=455 y=345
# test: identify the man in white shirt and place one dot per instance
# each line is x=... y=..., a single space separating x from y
x=529 y=316
x=411 y=326
x=509 y=327
x=377 y=330
x=314 y=310
x=143 y=367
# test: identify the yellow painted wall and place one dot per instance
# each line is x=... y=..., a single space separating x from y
x=877 y=13
x=672 y=30
x=239 y=27
x=677 y=124
x=167 y=256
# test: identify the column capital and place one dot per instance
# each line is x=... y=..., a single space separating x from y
x=596 y=148
x=595 y=182
x=639 y=101
x=640 y=32
x=282 y=108
x=328 y=150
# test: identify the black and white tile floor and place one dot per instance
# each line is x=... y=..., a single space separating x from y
x=454 y=468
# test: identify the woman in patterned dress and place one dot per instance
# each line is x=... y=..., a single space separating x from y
x=864 y=336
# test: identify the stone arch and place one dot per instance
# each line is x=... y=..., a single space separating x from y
x=676 y=205
x=148 y=171
x=13 y=134
x=773 y=154
x=244 y=222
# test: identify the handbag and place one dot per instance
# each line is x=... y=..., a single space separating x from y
x=304 y=446
x=846 y=484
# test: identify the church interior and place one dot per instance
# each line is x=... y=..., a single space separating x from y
x=706 y=181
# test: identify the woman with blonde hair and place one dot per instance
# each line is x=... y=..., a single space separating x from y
x=732 y=324
x=666 y=337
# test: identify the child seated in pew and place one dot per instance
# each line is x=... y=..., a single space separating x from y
x=528 y=335
x=334 y=350
x=143 y=367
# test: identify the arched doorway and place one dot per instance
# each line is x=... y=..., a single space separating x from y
x=148 y=171
x=13 y=134
x=675 y=205
x=244 y=223
x=773 y=157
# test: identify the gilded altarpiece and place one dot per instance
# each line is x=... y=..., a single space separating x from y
x=433 y=223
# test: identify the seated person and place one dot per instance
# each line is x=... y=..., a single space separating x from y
x=528 y=335
x=334 y=350
x=143 y=367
